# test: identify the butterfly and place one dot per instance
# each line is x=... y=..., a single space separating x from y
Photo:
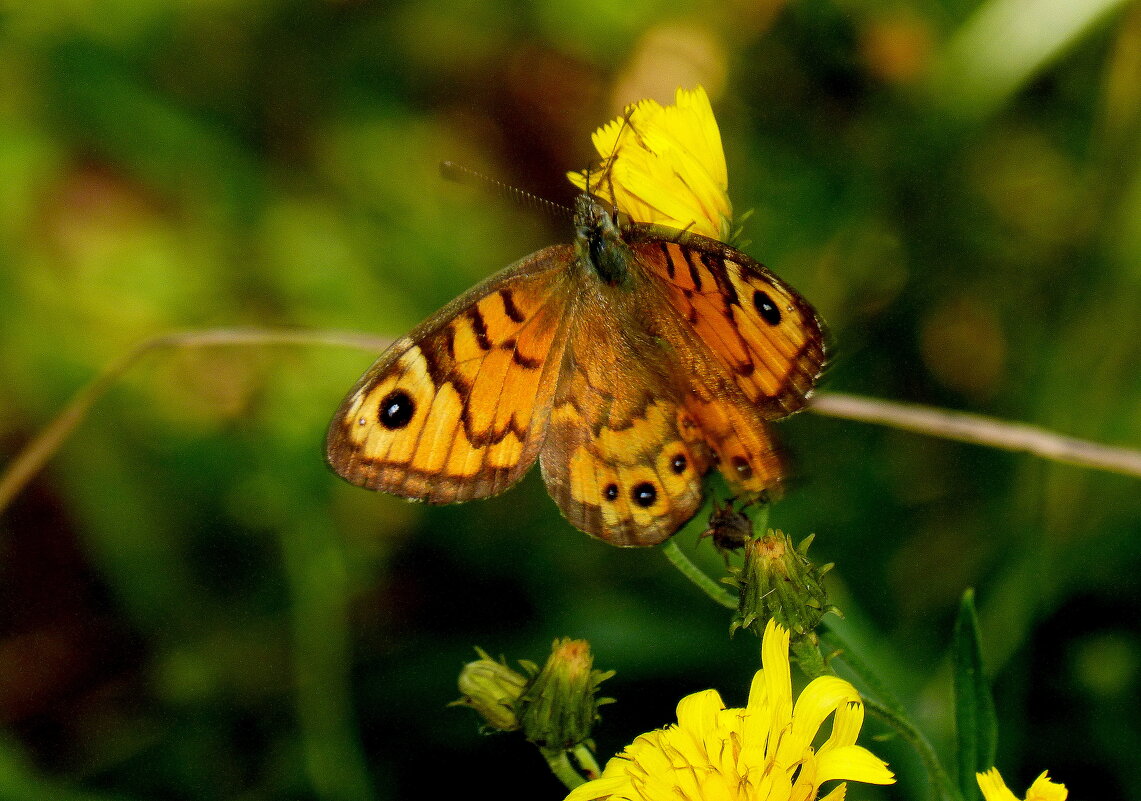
x=628 y=363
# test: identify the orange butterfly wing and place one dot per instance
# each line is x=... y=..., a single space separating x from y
x=458 y=408
x=767 y=338
x=750 y=346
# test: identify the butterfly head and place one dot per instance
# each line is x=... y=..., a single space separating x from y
x=599 y=243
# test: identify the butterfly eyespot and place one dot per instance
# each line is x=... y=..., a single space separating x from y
x=396 y=410
x=743 y=468
x=644 y=494
x=611 y=492
x=766 y=308
x=678 y=464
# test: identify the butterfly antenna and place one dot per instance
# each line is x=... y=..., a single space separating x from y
x=465 y=175
x=608 y=164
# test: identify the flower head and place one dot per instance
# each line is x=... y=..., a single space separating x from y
x=763 y=752
x=664 y=165
x=778 y=581
x=559 y=708
x=995 y=789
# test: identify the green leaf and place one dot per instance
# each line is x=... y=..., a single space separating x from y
x=975 y=722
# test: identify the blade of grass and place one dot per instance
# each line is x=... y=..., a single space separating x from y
x=976 y=725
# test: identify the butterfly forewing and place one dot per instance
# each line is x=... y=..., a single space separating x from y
x=457 y=409
x=765 y=337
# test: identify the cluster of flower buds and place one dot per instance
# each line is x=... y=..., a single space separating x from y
x=555 y=706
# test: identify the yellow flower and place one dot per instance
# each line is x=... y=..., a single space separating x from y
x=664 y=165
x=995 y=789
x=763 y=752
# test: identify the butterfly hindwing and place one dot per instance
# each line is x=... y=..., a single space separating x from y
x=741 y=444
x=457 y=409
x=615 y=460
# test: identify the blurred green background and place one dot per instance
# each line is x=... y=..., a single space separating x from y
x=193 y=607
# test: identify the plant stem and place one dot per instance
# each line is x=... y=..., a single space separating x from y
x=979 y=430
x=31 y=459
x=560 y=766
x=587 y=762
x=695 y=574
x=808 y=656
x=935 y=773
x=891 y=712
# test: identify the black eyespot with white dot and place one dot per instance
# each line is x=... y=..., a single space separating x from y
x=644 y=494
x=610 y=492
x=396 y=410
x=678 y=463
x=766 y=308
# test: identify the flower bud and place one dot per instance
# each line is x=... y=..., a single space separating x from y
x=778 y=581
x=560 y=706
x=493 y=690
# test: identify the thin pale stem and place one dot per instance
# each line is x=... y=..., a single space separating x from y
x=920 y=419
x=698 y=576
x=29 y=461
x=979 y=430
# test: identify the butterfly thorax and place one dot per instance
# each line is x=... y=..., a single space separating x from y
x=599 y=243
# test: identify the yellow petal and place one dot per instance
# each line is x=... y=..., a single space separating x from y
x=823 y=696
x=599 y=788
x=698 y=712
x=845 y=725
x=993 y=787
x=852 y=763
x=696 y=734
x=1045 y=790
x=775 y=680
x=715 y=786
